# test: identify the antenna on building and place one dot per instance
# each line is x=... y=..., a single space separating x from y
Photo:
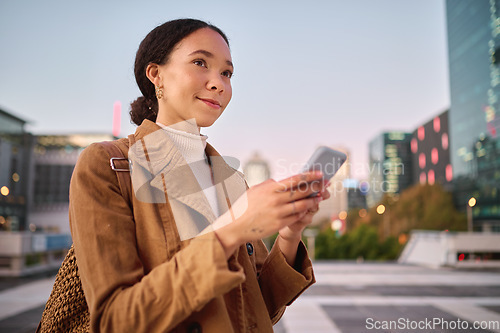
x=117 y=111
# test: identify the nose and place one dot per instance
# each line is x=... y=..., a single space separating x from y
x=215 y=83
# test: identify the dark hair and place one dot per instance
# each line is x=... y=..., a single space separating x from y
x=156 y=48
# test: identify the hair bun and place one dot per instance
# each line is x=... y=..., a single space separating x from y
x=143 y=108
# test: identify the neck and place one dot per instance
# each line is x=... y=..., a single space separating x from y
x=188 y=126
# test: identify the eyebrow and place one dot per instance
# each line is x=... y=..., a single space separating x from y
x=209 y=55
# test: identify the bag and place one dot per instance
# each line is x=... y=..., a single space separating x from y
x=66 y=309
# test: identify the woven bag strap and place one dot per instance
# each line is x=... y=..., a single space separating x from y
x=119 y=163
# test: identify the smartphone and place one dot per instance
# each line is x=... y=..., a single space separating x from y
x=326 y=160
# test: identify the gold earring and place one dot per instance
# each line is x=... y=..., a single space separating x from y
x=159 y=92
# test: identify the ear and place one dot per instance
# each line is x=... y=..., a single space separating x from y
x=153 y=74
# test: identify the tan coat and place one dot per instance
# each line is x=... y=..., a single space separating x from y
x=138 y=276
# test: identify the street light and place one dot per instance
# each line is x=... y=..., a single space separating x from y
x=387 y=227
x=470 y=204
x=4 y=190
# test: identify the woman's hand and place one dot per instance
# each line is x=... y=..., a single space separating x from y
x=269 y=207
x=293 y=232
x=290 y=236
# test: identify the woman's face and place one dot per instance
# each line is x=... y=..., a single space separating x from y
x=196 y=80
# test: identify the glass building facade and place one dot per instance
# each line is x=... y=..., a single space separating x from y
x=390 y=165
x=15 y=169
x=474 y=120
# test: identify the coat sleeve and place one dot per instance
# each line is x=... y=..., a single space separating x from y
x=120 y=296
x=280 y=283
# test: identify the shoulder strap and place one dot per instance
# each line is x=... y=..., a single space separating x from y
x=119 y=163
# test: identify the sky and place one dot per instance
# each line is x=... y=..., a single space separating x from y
x=307 y=73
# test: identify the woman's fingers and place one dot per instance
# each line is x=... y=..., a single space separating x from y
x=299 y=180
x=312 y=189
x=300 y=186
x=301 y=207
x=325 y=194
x=284 y=202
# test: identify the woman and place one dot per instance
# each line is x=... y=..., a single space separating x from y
x=185 y=255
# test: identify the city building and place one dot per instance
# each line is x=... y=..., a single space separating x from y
x=54 y=158
x=15 y=167
x=35 y=173
x=431 y=152
x=474 y=119
x=356 y=193
x=390 y=163
x=256 y=170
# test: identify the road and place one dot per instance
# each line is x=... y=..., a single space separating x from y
x=347 y=297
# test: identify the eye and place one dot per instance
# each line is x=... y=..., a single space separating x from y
x=227 y=74
x=200 y=62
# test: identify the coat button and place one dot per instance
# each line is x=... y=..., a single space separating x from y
x=249 y=249
x=194 y=328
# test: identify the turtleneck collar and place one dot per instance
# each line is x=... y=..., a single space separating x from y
x=192 y=146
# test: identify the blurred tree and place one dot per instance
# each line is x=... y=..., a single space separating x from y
x=362 y=242
x=421 y=206
x=427 y=207
x=374 y=236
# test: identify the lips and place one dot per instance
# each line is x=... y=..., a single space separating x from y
x=210 y=102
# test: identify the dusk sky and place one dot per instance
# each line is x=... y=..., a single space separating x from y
x=307 y=73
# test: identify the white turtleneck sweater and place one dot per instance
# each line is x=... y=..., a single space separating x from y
x=192 y=147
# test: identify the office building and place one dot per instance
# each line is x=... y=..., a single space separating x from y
x=54 y=159
x=389 y=166
x=430 y=148
x=356 y=193
x=15 y=168
x=474 y=119
x=35 y=172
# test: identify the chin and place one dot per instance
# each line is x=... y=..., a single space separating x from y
x=206 y=121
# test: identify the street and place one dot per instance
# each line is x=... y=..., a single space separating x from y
x=347 y=297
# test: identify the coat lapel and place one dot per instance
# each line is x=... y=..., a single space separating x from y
x=158 y=167
x=229 y=183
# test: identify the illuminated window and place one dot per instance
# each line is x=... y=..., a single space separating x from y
x=431 y=177
x=444 y=141
x=414 y=145
x=421 y=160
x=449 y=173
x=434 y=156
x=421 y=133
x=437 y=124
x=423 y=178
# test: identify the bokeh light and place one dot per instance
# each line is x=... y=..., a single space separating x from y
x=15 y=177
x=336 y=225
x=421 y=133
x=4 y=191
x=437 y=124
x=431 y=177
